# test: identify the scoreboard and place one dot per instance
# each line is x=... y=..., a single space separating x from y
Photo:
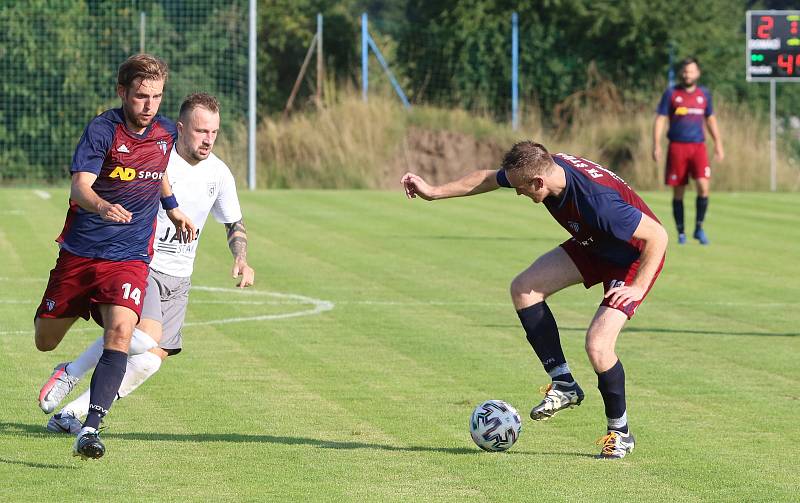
x=773 y=45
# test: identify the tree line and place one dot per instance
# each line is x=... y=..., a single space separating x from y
x=58 y=58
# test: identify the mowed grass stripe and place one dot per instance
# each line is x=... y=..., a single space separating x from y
x=370 y=400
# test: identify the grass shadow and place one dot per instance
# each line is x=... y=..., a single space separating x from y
x=21 y=429
x=474 y=238
x=37 y=465
x=686 y=331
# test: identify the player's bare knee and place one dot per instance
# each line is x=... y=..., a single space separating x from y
x=118 y=336
x=600 y=355
x=45 y=338
x=44 y=343
x=522 y=292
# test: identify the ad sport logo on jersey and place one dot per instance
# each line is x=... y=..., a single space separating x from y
x=495 y=426
x=128 y=174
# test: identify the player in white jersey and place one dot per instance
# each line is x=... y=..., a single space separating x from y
x=204 y=185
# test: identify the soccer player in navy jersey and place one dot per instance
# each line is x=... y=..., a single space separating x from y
x=687 y=107
x=615 y=240
x=118 y=176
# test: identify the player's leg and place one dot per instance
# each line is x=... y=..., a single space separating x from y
x=118 y=322
x=66 y=376
x=162 y=320
x=167 y=331
x=702 y=176
x=700 y=171
x=601 y=342
x=601 y=339
x=676 y=177
x=142 y=366
x=678 y=213
x=119 y=288
x=49 y=332
x=550 y=273
x=139 y=367
x=65 y=299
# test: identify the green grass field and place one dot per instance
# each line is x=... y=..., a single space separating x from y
x=403 y=324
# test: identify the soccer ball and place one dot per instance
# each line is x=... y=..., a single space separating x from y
x=495 y=425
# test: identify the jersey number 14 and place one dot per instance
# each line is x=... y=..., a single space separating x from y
x=135 y=294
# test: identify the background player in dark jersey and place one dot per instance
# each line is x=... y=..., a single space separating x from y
x=687 y=107
x=616 y=240
x=118 y=174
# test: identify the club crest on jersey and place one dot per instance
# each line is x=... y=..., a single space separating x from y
x=162 y=144
x=212 y=187
x=574 y=226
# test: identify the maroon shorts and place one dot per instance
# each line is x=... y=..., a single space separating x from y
x=684 y=160
x=78 y=285
x=595 y=270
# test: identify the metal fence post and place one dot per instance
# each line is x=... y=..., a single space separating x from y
x=514 y=71
x=142 y=17
x=364 y=54
x=320 y=67
x=251 y=109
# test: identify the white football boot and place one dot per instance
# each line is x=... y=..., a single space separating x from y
x=615 y=445
x=56 y=388
x=558 y=396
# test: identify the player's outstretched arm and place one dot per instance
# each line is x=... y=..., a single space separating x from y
x=655 y=240
x=473 y=183
x=237 y=242
x=82 y=193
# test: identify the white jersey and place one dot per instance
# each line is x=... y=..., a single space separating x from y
x=207 y=187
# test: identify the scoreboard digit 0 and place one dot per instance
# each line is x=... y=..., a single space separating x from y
x=773 y=45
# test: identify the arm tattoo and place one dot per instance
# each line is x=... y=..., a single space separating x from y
x=237 y=239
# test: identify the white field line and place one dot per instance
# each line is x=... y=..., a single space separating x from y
x=42 y=194
x=317 y=306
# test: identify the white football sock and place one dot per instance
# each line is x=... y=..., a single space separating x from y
x=86 y=360
x=139 y=369
x=78 y=407
x=140 y=343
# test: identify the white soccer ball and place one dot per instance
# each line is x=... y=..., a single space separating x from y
x=495 y=425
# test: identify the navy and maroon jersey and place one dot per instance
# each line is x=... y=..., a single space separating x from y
x=129 y=169
x=687 y=112
x=598 y=209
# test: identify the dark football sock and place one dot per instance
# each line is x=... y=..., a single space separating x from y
x=702 y=206
x=542 y=334
x=611 y=384
x=105 y=383
x=677 y=212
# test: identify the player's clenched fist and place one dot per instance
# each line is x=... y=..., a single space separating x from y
x=114 y=213
x=415 y=186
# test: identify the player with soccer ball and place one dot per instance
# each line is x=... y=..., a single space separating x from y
x=615 y=240
x=205 y=186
